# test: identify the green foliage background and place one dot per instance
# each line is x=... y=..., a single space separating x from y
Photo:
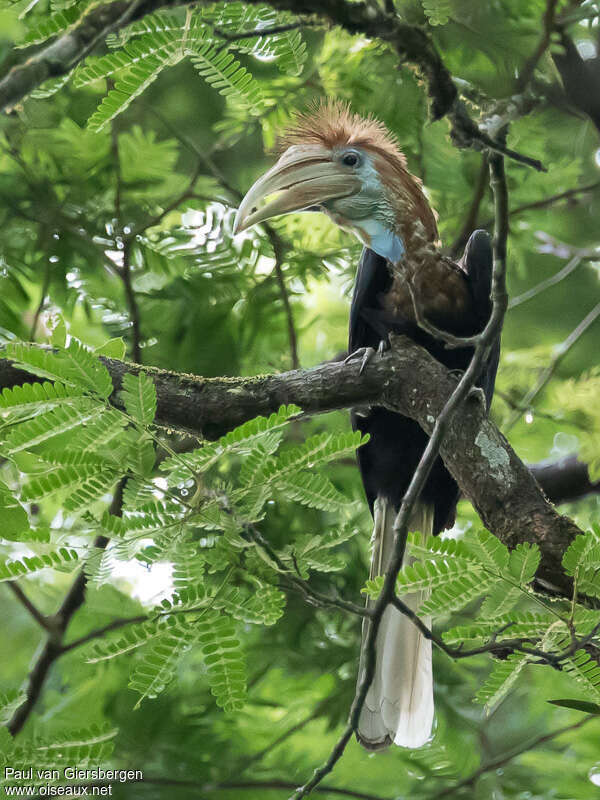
x=142 y=154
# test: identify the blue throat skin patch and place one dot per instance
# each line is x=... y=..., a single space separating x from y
x=388 y=245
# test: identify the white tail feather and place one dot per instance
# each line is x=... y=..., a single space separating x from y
x=399 y=704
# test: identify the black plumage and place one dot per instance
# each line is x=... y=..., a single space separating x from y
x=389 y=459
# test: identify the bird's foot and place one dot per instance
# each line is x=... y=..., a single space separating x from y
x=475 y=392
x=478 y=393
x=367 y=353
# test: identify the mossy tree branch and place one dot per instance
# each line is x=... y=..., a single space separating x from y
x=407 y=380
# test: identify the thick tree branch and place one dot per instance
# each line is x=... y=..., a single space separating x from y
x=59 y=57
x=411 y=43
x=408 y=380
x=564 y=480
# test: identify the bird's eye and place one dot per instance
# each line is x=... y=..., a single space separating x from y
x=350 y=159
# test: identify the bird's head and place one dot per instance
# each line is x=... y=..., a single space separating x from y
x=352 y=169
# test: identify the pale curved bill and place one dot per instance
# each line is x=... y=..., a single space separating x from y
x=302 y=177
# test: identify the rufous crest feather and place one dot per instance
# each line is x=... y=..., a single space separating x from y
x=332 y=122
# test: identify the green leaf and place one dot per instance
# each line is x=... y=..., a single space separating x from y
x=313 y=552
x=488 y=549
x=578 y=705
x=132 y=57
x=262 y=606
x=90 y=491
x=584 y=670
x=86 y=370
x=501 y=680
x=511 y=626
x=132 y=637
x=315 y=491
x=523 y=562
x=140 y=455
x=220 y=70
x=101 y=431
x=9 y=702
x=59 y=332
x=15 y=521
x=159 y=664
x=33 y=398
x=75 y=365
x=113 y=348
x=139 y=397
x=58 y=479
x=81 y=747
x=265 y=432
x=455 y=593
x=425 y=575
x=501 y=599
x=9 y=570
x=316 y=450
x=42 y=428
x=290 y=52
x=159 y=22
x=584 y=551
x=437 y=11
x=224 y=659
x=53 y=25
x=39 y=361
x=127 y=88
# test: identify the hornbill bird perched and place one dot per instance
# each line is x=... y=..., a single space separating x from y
x=352 y=169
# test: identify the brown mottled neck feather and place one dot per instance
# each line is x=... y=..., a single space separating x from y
x=332 y=123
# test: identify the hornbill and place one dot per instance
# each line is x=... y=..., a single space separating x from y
x=351 y=168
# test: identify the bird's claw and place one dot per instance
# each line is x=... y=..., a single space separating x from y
x=475 y=391
x=382 y=347
x=366 y=354
x=478 y=393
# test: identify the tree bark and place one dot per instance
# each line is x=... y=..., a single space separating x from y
x=407 y=380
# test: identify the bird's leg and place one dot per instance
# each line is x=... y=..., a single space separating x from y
x=367 y=353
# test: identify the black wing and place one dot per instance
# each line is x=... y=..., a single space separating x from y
x=478 y=262
x=372 y=279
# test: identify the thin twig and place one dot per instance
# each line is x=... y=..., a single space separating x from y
x=560 y=352
x=388 y=593
x=277 y=243
x=41 y=619
x=548 y=22
x=470 y=222
x=311 y=596
x=186 y=194
x=259 y=32
x=546 y=202
x=540 y=287
x=124 y=271
x=42 y=303
x=132 y=304
x=279 y=248
x=52 y=648
x=239 y=768
x=501 y=761
x=555 y=198
x=494 y=645
x=99 y=632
